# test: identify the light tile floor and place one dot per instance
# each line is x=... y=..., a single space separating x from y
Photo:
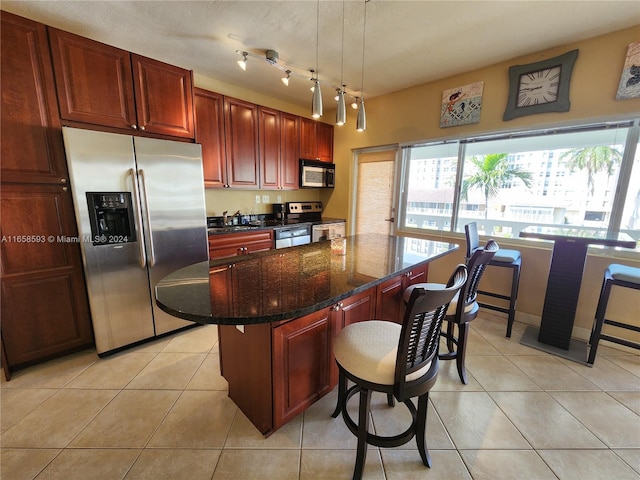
x=161 y=411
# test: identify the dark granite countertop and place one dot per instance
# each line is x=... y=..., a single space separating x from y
x=292 y=282
x=268 y=225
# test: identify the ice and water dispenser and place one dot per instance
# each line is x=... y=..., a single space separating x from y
x=111 y=218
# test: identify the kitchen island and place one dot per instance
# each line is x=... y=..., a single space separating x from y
x=279 y=311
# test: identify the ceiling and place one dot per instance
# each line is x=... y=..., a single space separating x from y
x=407 y=42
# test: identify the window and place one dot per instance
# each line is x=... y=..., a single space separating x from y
x=553 y=178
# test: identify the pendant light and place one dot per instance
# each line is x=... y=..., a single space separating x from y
x=316 y=100
x=361 y=120
x=341 y=111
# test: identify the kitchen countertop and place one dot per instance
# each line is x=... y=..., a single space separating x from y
x=292 y=282
x=268 y=225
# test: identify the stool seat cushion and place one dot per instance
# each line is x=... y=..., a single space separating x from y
x=369 y=349
x=624 y=273
x=436 y=286
x=505 y=256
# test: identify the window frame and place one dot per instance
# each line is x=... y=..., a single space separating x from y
x=626 y=165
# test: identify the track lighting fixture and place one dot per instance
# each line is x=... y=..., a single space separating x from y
x=286 y=78
x=243 y=61
x=273 y=58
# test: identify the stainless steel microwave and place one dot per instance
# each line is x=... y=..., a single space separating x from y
x=314 y=174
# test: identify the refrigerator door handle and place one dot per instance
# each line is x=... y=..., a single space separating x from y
x=152 y=260
x=136 y=201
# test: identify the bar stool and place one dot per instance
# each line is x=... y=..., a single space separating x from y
x=399 y=360
x=503 y=258
x=620 y=276
x=462 y=309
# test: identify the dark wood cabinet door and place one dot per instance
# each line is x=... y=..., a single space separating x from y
x=93 y=80
x=416 y=275
x=209 y=113
x=308 y=139
x=233 y=244
x=289 y=151
x=301 y=370
x=45 y=309
x=241 y=143
x=269 y=140
x=32 y=149
x=357 y=308
x=389 y=301
x=324 y=135
x=164 y=97
x=245 y=355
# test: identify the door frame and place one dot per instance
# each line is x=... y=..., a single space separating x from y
x=356 y=152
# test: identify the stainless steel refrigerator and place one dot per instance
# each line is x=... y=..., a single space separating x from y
x=140 y=209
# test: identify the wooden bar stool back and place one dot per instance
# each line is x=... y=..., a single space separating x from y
x=399 y=360
x=620 y=276
x=464 y=308
x=503 y=258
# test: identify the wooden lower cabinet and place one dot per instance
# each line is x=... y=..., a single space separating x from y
x=276 y=371
x=234 y=244
x=44 y=306
x=389 y=298
x=301 y=364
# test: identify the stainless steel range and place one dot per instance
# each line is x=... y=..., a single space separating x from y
x=297 y=219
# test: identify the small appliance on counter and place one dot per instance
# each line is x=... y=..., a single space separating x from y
x=280 y=212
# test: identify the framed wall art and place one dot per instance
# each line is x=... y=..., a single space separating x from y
x=630 y=79
x=462 y=105
x=540 y=87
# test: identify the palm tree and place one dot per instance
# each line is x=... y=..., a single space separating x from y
x=595 y=159
x=493 y=171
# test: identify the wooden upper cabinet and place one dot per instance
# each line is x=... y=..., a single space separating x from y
x=32 y=149
x=164 y=97
x=102 y=85
x=209 y=114
x=316 y=140
x=94 y=81
x=270 y=147
x=289 y=151
x=324 y=135
x=241 y=143
x=308 y=140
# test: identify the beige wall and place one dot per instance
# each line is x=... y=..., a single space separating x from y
x=414 y=114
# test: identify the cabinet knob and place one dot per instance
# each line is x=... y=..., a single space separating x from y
x=142 y=127
x=63 y=180
x=135 y=127
x=64 y=189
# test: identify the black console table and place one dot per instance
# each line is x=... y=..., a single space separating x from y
x=563 y=288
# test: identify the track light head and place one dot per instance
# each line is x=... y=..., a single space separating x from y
x=286 y=78
x=242 y=63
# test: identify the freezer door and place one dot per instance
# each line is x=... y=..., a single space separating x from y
x=116 y=274
x=173 y=211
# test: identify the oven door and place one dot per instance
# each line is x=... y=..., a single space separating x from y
x=292 y=236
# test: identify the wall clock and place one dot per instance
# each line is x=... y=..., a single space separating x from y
x=540 y=87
